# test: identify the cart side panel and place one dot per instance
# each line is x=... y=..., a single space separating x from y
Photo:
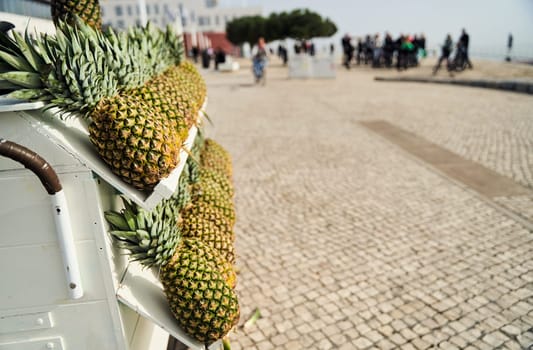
x=80 y=326
x=16 y=129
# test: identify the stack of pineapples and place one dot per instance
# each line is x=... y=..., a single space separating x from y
x=189 y=240
x=139 y=98
x=134 y=90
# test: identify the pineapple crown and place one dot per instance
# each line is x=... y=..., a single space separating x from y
x=77 y=67
x=150 y=237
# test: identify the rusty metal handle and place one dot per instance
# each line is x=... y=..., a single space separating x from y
x=33 y=162
x=50 y=181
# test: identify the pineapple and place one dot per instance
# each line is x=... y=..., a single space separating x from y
x=151 y=237
x=181 y=199
x=207 y=177
x=203 y=211
x=58 y=69
x=204 y=304
x=213 y=195
x=214 y=157
x=207 y=231
x=137 y=136
x=88 y=10
x=193 y=164
x=137 y=144
x=198 y=282
x=167 y=97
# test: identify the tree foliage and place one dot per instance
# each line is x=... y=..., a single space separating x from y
x=297 y=24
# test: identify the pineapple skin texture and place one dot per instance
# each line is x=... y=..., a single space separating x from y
x=204 y=304
x=88 y=10
x=214 y=157
x=206 y=231
x=203 y=211
x=213 y=195
x=136 y=143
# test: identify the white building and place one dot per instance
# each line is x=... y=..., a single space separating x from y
x=196 y=16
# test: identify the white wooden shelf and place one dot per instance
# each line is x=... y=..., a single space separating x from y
x=141 y=291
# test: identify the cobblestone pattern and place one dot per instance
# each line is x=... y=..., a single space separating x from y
x=523 y=205
x=345 y=242
x=491 y=128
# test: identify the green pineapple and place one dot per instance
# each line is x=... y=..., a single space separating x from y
x=150 y=236
x=88 y=10
x=60 y=70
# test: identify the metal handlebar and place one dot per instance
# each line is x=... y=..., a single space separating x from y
x=50 y=181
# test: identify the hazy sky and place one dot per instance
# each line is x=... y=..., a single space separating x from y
x=487 y=21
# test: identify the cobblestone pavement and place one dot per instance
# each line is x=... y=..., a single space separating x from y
x=347 y=242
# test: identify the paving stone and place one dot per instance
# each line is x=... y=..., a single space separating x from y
x=342 y=235
x=279 y=339
x=338 y=339
x=324 y=344
x=447 y=345
x=408 y=334
x=256 y=336
x=408 y=346
x=397 y=339
x=265 y=345
x=420 y=344
x=362 y=343
x=292 y=345
x=385 y=344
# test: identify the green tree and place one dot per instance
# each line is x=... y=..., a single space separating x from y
x=297 y=24
x=246 y=29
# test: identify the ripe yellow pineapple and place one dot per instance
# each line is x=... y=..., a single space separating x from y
x=214 y=157
x=203 y=303
x=136 y=143
x=191 y=226
x=208 y=176
x=204 y=211
x=213 y=195
x=88 y=10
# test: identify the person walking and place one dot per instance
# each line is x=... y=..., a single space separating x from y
x=509 y=47
x=259 y=62
x=464 y=41
x=348 y=50
x=445 y=53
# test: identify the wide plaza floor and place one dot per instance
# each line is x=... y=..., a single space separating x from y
x=348 y=239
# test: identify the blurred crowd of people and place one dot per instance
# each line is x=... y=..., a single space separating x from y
x=402 y=52
x=217 y=55
x=456 y=60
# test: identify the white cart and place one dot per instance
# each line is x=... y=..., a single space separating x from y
x=123 y=307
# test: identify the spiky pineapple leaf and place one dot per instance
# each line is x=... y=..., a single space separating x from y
x=6 y=85
x=27 y=94
x=26 y=50
x=25 y=79
x=15 y=61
